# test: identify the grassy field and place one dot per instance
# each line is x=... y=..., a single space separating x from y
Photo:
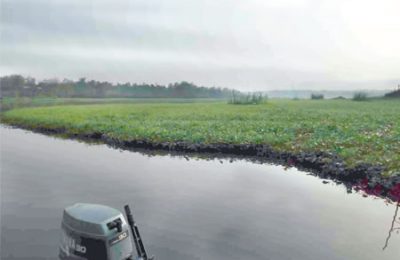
x=8 y=103
x=356 y=131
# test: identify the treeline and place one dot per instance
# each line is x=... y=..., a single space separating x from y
x=19 y=86
x=394 y=94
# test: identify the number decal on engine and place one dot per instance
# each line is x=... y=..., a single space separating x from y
x=119 y=238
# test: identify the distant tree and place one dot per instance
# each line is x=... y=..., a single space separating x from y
x=317 y=96
x=11 y=85
x=254 y=98
x=394 y=94
x=360 y=96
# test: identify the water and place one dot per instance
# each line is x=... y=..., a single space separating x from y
x=186 y=209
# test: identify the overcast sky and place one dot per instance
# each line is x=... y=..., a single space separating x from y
x=244 y=44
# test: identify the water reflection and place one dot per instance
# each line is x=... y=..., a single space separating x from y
x=188 y=206
x=362 y=186
x=392 y=226
x=365 y=186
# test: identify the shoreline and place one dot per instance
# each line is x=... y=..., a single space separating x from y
x=363 y=177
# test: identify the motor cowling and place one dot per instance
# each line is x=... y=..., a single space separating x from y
x=94 y=232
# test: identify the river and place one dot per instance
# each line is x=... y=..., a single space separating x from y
x=186 y=208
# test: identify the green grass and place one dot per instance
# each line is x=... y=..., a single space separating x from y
x=8 y=103
x=357 y=131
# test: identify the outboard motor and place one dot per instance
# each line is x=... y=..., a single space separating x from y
x=97 y=232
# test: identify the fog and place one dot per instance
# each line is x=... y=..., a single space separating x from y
x=248 y=45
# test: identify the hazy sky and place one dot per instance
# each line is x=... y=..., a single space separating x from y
x=245 y=44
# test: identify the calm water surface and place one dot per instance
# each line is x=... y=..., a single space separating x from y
x=186 y=209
